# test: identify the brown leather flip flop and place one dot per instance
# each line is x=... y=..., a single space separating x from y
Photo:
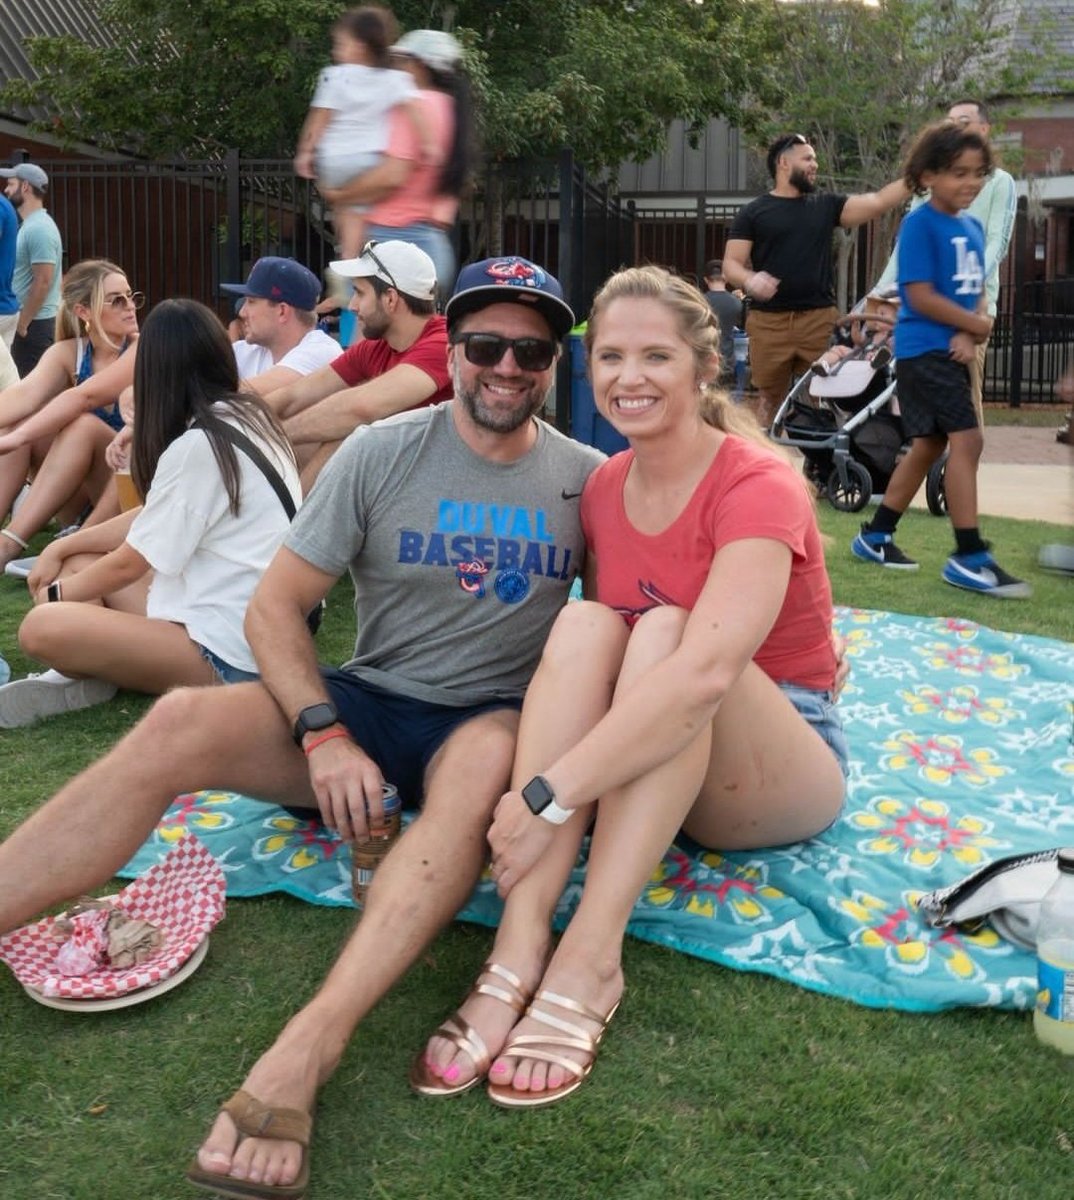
x=254 y=1119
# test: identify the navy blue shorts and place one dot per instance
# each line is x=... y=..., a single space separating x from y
x=934 y=395
x=399 y=734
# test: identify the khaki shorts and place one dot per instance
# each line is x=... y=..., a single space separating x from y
x=977 y=381
x=783 y=344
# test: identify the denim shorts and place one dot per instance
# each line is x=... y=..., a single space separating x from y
x=399 y=734
x=818 y=708
x=223 y=670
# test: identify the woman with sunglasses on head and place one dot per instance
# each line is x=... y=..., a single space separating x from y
x=156 y=598
x=57 y=422
x=694 y=694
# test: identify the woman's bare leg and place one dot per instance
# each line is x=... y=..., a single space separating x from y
x=758 y=776
x=132 y=651
x=570 y=692
x=70 y=470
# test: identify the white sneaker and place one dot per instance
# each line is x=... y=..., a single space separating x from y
x=28 y=700
x=20 y=568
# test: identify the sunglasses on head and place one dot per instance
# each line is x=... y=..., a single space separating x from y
x=368 y=248
x=122 y=299
x=792 y=139
x=487 y=349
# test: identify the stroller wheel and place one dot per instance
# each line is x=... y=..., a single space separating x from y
x=854 y=495
x=935 y=496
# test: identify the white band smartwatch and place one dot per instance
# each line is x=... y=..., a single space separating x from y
x=541 y=800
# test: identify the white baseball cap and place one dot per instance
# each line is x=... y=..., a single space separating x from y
x=433 y=47
x=401 y=265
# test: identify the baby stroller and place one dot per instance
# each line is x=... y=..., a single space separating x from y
x=844 y=417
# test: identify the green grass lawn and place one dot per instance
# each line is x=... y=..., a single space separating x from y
x=712 y=1083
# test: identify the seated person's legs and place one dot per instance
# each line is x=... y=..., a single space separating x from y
x=581 y=659
x=443 y=850
x=758 y=776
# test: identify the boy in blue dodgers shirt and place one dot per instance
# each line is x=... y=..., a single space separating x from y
x=942 y=316
x=460 y=526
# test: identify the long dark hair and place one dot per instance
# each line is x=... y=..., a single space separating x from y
x=462 y=158
x=184 y=365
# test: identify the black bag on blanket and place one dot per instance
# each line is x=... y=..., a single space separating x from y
x=1007 y=894
x=241 y=442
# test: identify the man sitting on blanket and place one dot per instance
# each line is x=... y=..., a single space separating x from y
x=460 y=527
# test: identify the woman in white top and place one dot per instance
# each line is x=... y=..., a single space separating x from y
x=156 y=598
x=57 y=422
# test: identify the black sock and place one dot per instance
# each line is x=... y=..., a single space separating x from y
x=969 y=541
x=884 y=520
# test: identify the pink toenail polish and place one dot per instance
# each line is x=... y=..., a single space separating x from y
x=499 y=1068
x=452 y=1073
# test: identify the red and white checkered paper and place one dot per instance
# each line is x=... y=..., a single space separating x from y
x=183 y=895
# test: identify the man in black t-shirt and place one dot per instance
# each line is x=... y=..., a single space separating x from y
x=727 y=308
x=780 y=253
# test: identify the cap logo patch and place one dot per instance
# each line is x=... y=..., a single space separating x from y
x=515 y=272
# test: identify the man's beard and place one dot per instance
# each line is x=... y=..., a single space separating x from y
x=800 y=180
x=16 y=199
x=375 y=325
x=495 y=420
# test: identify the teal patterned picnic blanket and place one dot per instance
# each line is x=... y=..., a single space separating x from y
x=961 y=753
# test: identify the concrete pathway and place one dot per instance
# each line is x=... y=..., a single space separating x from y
x=1024 y=473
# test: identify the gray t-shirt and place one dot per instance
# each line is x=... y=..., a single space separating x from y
x=460 y=565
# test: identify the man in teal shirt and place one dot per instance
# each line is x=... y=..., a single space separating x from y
x=38 y=264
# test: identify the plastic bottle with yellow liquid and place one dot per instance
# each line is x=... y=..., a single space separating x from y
x=1053 y=1017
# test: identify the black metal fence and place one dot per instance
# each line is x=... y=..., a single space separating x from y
x=183 y=227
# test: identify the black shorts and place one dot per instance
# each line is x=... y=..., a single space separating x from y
x=399 y=734
x=934 y=395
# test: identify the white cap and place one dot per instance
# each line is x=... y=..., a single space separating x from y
x=433 y=47
x=402 y=265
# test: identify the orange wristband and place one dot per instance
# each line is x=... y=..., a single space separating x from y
x=325 y=737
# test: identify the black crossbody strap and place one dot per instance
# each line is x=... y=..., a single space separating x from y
x=241 y=442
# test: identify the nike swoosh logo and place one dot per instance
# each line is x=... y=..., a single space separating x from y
x=569 y=495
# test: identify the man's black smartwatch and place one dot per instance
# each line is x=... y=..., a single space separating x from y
x=541 y=799
x=314 y=717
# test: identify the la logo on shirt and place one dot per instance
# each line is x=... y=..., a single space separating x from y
x=969 y=273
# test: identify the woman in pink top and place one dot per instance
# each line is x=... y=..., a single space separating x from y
x=694 y=694
x=411 y=198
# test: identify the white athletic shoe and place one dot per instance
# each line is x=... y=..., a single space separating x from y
x=28 y=700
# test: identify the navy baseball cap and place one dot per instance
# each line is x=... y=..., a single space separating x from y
x=281 y=280
x=509 y=281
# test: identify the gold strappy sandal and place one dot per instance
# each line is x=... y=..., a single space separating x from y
x=254 y=1119
x=466 y=1038
x=543 y=1047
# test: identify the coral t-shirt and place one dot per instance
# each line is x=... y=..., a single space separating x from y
x=372 y=357
x=747 y=492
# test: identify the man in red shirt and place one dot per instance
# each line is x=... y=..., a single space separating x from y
x=400 y=363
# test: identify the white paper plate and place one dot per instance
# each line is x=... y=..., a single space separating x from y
x=106 y=1004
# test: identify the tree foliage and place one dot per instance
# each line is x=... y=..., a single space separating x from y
x=602 y=76
x=862 y=80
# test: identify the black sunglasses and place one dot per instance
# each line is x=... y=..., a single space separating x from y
x=368 y=248
x=487 y=349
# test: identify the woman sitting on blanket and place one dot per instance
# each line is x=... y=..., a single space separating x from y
x=695 y=694
x=156 y=597
x=57 y=422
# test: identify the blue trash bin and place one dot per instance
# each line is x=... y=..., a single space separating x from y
x=587 y=425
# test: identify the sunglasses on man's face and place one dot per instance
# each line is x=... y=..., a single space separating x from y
x=487 y=349
x=122 y=299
